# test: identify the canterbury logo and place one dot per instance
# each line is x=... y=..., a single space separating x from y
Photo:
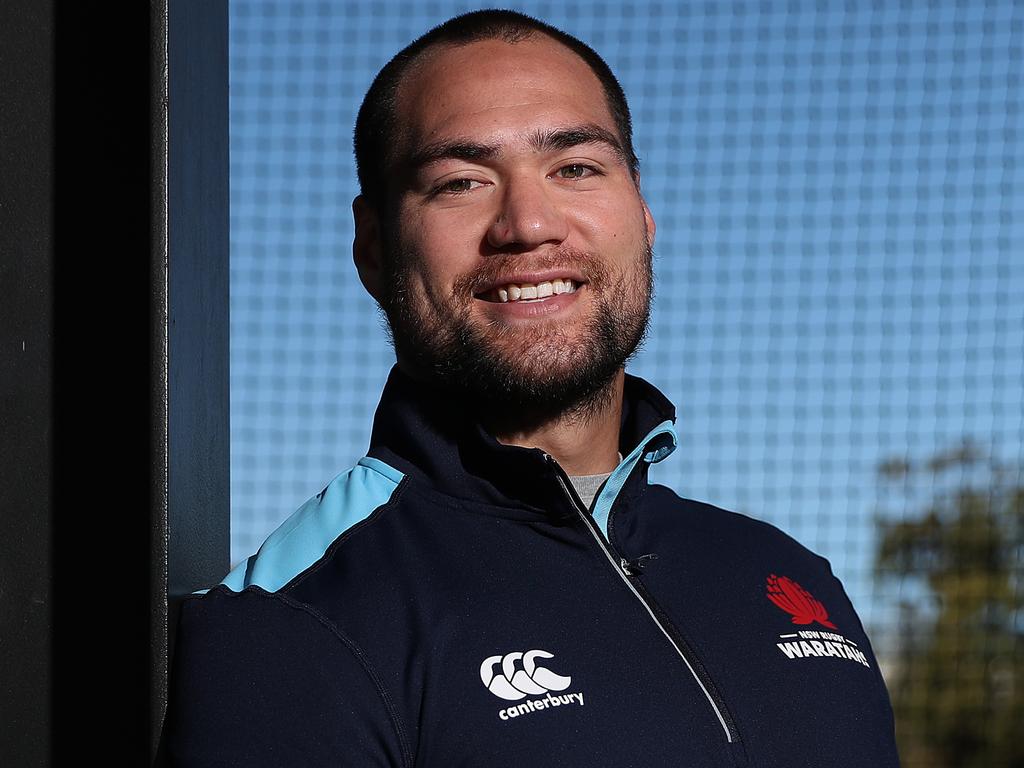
x=520 y=676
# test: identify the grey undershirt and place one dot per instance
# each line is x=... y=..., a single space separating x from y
x=587 y=486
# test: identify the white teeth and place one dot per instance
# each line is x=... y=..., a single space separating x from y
x=542 y=290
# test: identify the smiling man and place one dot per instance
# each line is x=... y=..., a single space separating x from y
x=511 y=252
x=496 y=583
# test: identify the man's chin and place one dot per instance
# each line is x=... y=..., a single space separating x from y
x=536 y=370
x=543 y=385
x=554 y=352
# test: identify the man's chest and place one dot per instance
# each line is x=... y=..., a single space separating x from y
x=695 y=660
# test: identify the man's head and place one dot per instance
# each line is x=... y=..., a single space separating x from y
x=495 y=160
x=378 y=126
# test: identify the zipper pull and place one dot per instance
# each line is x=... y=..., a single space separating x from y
x=634 y=567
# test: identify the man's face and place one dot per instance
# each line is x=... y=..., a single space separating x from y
x=518 y=252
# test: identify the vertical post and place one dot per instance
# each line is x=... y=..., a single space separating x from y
x=106 y=416
x=113 y=362
x=159 y=627
x=193 y=238
x=114 y=454
x=197 y=294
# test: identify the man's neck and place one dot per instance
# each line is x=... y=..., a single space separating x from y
x=583 y=442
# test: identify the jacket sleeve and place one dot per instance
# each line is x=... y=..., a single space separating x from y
x=259 y=679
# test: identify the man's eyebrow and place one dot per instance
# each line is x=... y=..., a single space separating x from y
x=451 y=149
x=567 y=138
x=542 y=141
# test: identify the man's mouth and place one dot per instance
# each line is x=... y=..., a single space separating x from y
x=504 y=294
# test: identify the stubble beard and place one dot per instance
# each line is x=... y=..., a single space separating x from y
x=534 y=372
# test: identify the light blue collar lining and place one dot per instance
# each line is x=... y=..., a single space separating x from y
x=652 y=450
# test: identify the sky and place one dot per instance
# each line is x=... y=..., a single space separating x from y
x=839 y=193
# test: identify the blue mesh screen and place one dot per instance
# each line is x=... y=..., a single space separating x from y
x=839 y=191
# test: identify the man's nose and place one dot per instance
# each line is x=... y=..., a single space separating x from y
x=528 y=217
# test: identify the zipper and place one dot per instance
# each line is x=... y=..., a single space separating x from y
x=625 y=569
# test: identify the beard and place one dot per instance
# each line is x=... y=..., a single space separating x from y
x=536 y=370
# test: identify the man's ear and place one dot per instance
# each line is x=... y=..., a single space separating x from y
x=367 y=250
x=648 y=217
x=649 y=223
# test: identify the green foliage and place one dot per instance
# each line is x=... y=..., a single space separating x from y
x=957 y=678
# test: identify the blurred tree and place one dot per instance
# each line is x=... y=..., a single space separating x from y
x=957 y=680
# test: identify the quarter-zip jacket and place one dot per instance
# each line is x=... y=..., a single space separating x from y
x=449 y=602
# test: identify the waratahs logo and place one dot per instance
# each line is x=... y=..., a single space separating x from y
x=520 y=675
x=797 y=601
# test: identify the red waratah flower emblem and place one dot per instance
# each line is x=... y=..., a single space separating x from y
x=797 y=601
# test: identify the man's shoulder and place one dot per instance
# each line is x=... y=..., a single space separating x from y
x=711 y=525
x=350 y=502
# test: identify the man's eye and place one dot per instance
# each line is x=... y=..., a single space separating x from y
x=456 y=187
x=576 y=171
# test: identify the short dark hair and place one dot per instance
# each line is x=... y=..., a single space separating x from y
x=374 y=131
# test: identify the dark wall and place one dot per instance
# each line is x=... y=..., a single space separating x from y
x=26 y=333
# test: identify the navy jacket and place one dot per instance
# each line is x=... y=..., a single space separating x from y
x=449 y=602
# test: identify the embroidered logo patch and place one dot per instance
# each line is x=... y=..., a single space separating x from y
x=804 y=608
x=808 y=644
x=520 y=676
x=797 y=601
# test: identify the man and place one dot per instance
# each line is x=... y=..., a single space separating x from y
x=496 y=583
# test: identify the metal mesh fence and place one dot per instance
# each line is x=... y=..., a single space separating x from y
x=839 y=191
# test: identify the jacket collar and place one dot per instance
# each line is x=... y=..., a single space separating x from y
x=422 y=431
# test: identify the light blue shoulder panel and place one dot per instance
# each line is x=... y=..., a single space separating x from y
x=304 y=537
x=658 y=444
